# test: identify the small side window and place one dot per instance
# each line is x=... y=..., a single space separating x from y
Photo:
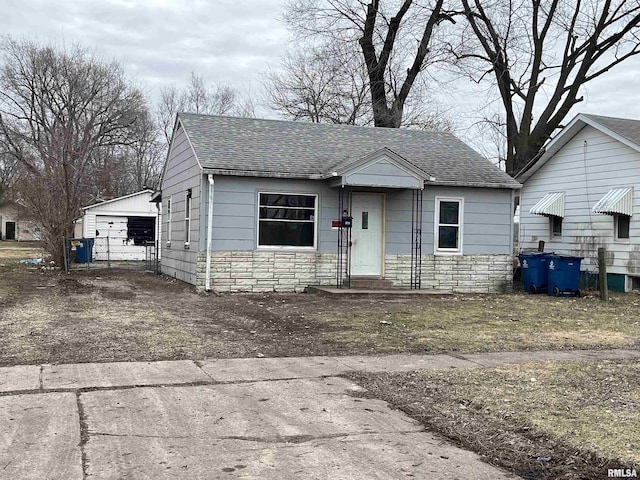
x=556 y=226
x=169 y=221
x=187 y=218
x=622 y=225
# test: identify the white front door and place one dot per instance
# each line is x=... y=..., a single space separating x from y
x=366 y=234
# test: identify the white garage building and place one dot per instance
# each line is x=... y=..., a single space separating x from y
x=121 y=227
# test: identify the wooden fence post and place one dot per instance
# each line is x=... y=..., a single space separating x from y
x=602 y=275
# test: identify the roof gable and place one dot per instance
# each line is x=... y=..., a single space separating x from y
x=274 y=148
x=113 y=202
x=625 y=131
x=383 y=168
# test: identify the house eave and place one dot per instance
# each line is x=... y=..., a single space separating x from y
x=320 y=176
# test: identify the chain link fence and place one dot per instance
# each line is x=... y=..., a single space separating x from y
x=108 y=253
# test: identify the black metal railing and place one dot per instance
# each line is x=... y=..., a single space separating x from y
x=416 y=240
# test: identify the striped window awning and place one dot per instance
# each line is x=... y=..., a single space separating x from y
x=618 y=200
x=551 y=205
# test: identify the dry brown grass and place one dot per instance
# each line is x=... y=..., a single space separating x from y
x=569 y=420
x=98 y=315
x=483 y=323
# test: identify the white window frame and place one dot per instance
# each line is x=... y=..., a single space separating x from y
x=616 y=230
x=169 y=219
x=187 y=217
x=437 y=225
x=289 y=247
x=553 y=236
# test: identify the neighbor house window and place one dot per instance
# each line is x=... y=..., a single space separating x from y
x=622 y=225
x=169 y=221
x=555 y=224
x=287 y=220
x=448 y=227
x=187 y=218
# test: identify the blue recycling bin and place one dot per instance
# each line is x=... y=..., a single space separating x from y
x=84 y=251
x=564 y=276
x=533 y=267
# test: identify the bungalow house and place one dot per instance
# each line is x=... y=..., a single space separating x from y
x=583 y=192
x=264 y=205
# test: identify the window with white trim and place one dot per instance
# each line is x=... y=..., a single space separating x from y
x=169 y=220
x=187 y=218
x=287 y=220
x=622 y=225
x=448 y=225
x=555 y=226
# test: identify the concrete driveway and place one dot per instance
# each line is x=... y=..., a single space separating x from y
x=246 y=418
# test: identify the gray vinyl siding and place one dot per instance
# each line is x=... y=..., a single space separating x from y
x=235 y=213
x=181 y=173
x=382 y=173
x=486 y=224
x=586 y=168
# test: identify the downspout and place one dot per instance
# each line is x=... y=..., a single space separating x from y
x=207 y=281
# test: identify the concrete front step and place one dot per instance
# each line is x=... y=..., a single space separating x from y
x=375 y=283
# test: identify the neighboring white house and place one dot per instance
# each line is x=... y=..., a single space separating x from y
x=14 y=224
x=583 y=192
x=121 y=227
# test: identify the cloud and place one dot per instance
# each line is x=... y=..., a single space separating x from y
x=161 y=41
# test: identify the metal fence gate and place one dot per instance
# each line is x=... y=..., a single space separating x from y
x=152 y=258
x=106 y=253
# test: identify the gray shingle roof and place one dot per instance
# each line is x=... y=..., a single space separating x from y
x=629 y=129
x=274 y=148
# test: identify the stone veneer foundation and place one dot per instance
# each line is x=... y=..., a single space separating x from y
x=239 y=271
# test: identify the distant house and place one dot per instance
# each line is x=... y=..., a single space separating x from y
x=258 y=205
x=121 y=227
x=16 y=225
x=583 y=192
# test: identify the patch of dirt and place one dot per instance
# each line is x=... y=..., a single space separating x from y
x=70 y=285
x=121 y=315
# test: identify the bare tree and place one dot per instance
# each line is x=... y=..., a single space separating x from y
x=539 y=54
x=9 y=172
x=58 y=108
x=394 y=40
x=198 y=97
x=122 y=169
x=329 y=84
x=324 y=84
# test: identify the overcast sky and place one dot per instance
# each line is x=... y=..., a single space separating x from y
x=230 y=41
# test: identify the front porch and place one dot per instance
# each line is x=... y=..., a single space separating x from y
x=366 y=226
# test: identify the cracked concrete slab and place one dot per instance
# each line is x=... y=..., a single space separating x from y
x=20 y=378
x=122 y=374
x=404 y=363
x=283 y=429
x=272 y=410
x=254 y=369
x=40 y=437
x=497 y=359
x=608 y=354
x=353 y=457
